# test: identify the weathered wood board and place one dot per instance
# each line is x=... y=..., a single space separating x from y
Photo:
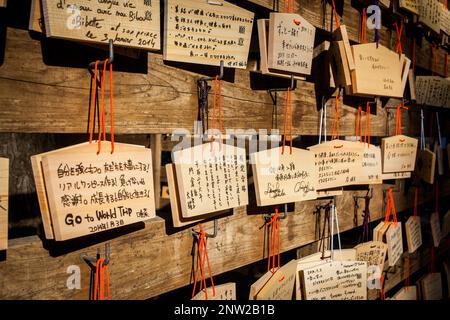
x=128 y=23
x=89 y=193
x=198 y=32
x=291 y=44
x=337 y=280
x=226 y=291
x=284 y=177
x=4 y=187
x=3 y=3
x=338 y=163
x=413 y=233
x=211 y=177
x=398 y=153
x=378 y=71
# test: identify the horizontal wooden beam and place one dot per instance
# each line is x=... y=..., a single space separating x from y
x=154 y=260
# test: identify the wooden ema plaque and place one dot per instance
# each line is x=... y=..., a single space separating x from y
x=211 y=177
x=410 y=5
x=391 y=234
x=430 y=14
x=128 y=23
x=281 y=284
x=394 y=242
x=426 y=163
x=338 y=162
x=436 y=232
x=312 y=260
x=340 y=34
x=374 y=253
x=433 y=91
x=38 y=174
x=413 y=233
x=439 y=158
x=174 y=196
x=222 y=292
x=445 y=20
x=36 y=22
x=4 y=187
x=263 y=39
x=259 y=284
x=198 y=32
x=396 y=175
x=398 y=153
x=336 y=280
x=406 y=293
x=291 y=44
x=431 y=287
x=89 y=193
x=283 y=178
x=378 y=71
x=371 y=166
x=339 y=65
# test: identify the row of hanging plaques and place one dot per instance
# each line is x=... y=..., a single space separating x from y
x=346 y=274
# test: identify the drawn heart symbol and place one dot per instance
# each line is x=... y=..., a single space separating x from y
x=297 y=22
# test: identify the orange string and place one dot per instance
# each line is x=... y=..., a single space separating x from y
x=274 y=243
x=399 y=36
x=364 y=26
x=367 y=131
x=335 y=128
x=101 y=279
x=200 y=268
x=93 y=100
x=398 y=127
x=288 y=105
x=391 y=209
x=336 y=18
x=102 y=130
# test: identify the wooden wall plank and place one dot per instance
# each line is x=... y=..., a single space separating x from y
x=159 y=102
